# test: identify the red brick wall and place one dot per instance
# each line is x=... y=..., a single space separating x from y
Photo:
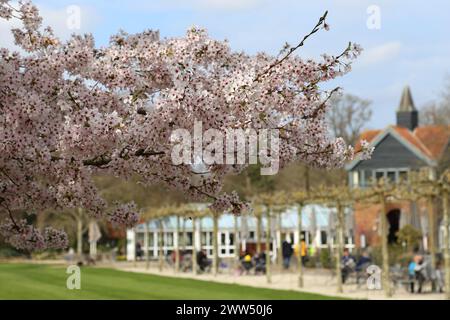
x=367 y=223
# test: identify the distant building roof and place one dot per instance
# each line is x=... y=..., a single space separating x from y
x=426 y=142
x=431 y=141
x=435 y=138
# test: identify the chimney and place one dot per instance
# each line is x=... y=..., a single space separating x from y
x=407 y=115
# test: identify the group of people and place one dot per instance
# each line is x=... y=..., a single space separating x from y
x=288 y=251
x=257 y=263
x=258 y=260
x=349 y=265
x=420 y=271
x=186 y=263
x=185 y=256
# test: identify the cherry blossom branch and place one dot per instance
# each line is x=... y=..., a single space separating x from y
x=55 y=130
x=293 y=49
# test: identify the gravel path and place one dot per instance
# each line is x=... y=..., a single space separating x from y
x=315 y=281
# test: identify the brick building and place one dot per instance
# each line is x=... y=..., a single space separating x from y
x=399 y=149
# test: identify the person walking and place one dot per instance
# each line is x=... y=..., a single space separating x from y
x=287 y=253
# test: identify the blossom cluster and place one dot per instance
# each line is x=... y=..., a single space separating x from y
x=26 y=237
x=70 y=110
x=230 y=203
x=124 y=214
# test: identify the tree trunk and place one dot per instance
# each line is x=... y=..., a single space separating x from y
x=194 y=249
x=236 y=240
x=215 y=244
x=384 y=248
x=340 y=246
x=268 y=230
x=279 y=242
x=161 y=243
x=177 y=246
x=146 y=243
x=431 y=231
x=80 y=237
x=200 y=219
x=258 y=233
x=446 y=222
x=135 y=251
x=299 y=255
x=183 y=233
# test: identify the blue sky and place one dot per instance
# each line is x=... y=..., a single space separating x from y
x=411 y=47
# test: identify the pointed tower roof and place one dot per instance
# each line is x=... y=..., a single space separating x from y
x=406 y=102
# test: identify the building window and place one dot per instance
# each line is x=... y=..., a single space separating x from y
x=226 y=248
x=223 y=239
x=364 y=178
x=189 y=239
x=151 y=241
x=140 y=238
x=206 y=238
x=379 y=175
x=203 y=238
x=391 y=176
x=323 y=237
x=169 y=239
x=355 y=178
x=402 y=176
x=367 y=180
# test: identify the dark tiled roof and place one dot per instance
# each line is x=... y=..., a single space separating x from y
x=431 y=141
x=413 y=139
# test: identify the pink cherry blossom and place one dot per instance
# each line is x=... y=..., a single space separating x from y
x=124 y=214
x=71 y=110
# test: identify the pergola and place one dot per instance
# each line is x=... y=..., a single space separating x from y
x=269 y=210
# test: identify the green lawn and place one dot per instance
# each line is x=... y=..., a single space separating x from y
x=29 y=281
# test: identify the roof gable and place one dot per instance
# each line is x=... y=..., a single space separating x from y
x=395 y=139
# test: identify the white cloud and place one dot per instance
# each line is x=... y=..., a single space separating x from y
x=378 y=54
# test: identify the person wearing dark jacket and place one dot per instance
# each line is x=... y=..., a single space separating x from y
x=287 y=253
x=260 y=263
x=361 y=266
x=348 y=265
x=202 y=261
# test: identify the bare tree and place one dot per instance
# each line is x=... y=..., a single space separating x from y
x=435 y=113
x=438 y=112
x=348 y=116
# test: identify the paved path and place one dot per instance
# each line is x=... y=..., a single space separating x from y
x=315 y=281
